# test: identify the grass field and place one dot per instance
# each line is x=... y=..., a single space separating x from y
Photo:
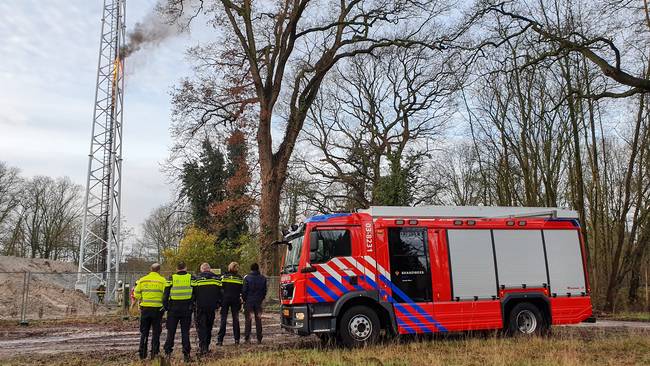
x=620 y=349
x=566 y=346
x=637 y=316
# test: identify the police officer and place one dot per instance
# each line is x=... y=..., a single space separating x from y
x=253 y=293
x=101 y=291
x=231 y=284
x=178 y=301
x=149 y=294
x=207 y=299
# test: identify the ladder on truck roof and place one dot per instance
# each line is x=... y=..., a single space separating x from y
x=469 y=212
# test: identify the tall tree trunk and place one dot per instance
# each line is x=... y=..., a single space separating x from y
x=273 y=170
x=269 y=222
x=577 y=155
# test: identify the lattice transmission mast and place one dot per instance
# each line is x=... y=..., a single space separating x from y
x=100 y=247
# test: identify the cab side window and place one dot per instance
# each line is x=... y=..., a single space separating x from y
x=332 y=243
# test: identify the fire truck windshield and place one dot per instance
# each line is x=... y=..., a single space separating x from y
x=293 y=255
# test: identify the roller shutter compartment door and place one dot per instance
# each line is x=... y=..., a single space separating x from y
x=520 y=258
x=472 y=264
x=565 y=266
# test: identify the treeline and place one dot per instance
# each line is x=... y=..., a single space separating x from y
x=522 y=139
x=520 y=126
x=40 y=217
x=533 y=103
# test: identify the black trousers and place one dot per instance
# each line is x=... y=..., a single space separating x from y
x=232 y=307
x=150 y=319
x=249 y=311
x=204 y=323
x=173 y=318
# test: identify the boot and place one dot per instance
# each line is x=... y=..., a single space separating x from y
x=167 y=360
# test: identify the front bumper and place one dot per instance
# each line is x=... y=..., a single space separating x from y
x=315 y=318
x=289 y=319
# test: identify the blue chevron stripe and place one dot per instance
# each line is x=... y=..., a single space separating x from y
x=371 y=282
x=324 y=288
x=408 y=300
x=402 y=324
x=408 y=315
x=314 y=294
x=356 y=287
x=337 y=284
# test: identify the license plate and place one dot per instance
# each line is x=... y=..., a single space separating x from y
x=285 y=312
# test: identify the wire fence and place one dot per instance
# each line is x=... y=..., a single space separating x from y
x=26 y=296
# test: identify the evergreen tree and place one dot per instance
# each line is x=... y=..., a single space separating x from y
x=397 y=188
x=203 y=183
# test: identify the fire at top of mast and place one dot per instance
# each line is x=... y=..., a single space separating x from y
x=100 y=246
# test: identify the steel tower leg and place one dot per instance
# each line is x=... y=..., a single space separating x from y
x=100 y=246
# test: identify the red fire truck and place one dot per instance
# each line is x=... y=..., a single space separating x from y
x=429 y=269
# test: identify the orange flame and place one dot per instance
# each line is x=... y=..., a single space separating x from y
x=117 y=69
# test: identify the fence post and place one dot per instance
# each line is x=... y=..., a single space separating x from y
x=647 y=306
x=23 y=313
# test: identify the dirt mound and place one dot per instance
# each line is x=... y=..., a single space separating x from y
x=16 y=264
x=51 y=292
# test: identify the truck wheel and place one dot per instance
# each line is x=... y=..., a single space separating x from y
x=526 y=319
x=359 y=326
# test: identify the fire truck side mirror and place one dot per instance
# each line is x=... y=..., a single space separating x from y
x=313 y=241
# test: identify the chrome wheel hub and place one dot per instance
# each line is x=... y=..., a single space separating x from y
x=526 y=322
x=360 y=327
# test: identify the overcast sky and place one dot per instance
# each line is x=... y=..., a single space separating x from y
x=48 y=67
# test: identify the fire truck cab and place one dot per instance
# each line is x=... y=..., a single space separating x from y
x=403 y=270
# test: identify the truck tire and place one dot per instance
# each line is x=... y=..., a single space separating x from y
x=359 y=326
x=526 y=319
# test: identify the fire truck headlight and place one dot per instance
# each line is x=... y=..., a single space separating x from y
x=300 y=316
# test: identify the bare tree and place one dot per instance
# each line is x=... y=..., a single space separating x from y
x=162 y=230
x=375 y=121
x=46 y=222
x=564 y=27
x=284 y=49
x=10 y=184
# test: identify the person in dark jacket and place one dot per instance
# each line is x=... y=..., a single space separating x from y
x=178 y=302
x=101 y=291
x=231 y=284
x=253 y=294
x=207 y=299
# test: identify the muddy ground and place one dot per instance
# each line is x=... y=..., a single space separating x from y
x=116 y=340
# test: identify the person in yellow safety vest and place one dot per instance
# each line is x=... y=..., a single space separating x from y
x=148 y=293
x=178 y=301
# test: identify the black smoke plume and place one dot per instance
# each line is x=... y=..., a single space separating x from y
x=151 y=31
